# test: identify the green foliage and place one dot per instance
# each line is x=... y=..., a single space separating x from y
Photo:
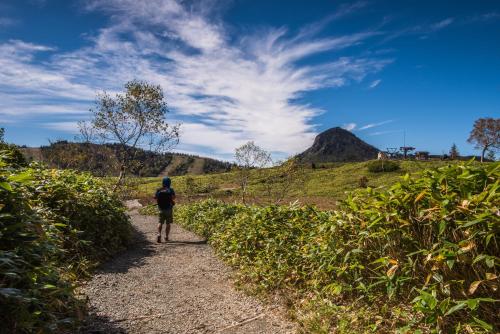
x=54 y=226
x=379 y=166
x=430 y=244
x=84 y=204
x=12 y=155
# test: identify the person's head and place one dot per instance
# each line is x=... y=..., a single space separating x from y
x=166 y=182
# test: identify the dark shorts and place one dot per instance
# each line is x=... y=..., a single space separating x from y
x=166 y=216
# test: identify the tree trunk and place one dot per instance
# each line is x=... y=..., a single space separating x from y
x=482 y=153
x=120 y=179
x=243 y=192
x=124 y=162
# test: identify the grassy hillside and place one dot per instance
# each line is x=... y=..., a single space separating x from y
x=323 y=186
x=101 y=160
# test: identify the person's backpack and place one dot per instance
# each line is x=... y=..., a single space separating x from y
x=165 y=199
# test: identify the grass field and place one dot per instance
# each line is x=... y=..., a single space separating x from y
x=323 y=186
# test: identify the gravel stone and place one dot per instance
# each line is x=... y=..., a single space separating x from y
x=174 y=287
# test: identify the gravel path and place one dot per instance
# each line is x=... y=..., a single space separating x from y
x=174 y=287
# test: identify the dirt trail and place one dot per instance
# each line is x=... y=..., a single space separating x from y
x=174 y=287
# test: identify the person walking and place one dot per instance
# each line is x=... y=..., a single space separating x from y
x=165 y=198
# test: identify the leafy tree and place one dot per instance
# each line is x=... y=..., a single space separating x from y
x=491 y=155
x=486 y=135
x=11 y=152
x=249 y=156
x=454 y=154
x=282 y=181
x=191 y=187
x=133 y=119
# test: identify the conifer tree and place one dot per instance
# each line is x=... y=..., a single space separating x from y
x=454 y=154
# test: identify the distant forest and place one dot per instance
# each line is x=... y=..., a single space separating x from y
x=102 y=160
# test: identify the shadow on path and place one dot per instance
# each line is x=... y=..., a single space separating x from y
x=178 y=242
x=139 y=249
x=96 y=324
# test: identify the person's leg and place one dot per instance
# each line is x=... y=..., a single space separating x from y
x=158 y=237
x=167 y=231
x=168 y=220
x=160 y=223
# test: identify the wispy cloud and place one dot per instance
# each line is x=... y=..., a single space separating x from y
x=374 y=83
x=343 y=11
x=349 y=8
x=421 y=30
x=230 y=90
x=441 y=24
x=7 y=22
x=484 y=17
x=379 y=133
x=71 y=127
x=373 y=125
x=349 y=126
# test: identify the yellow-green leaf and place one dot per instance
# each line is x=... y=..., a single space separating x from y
x=473 y=287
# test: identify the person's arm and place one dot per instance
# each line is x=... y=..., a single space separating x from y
x=156 y=194
x=173 y=196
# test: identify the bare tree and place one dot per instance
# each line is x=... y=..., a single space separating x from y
x=249 y=156
x=87 y=132
x=486 y=135
x=133 y=119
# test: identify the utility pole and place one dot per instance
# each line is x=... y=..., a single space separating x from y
x=405 y=149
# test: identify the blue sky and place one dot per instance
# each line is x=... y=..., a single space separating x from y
x=274 y=72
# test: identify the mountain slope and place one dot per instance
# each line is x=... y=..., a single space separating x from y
x=102 y=160
x=338 y=145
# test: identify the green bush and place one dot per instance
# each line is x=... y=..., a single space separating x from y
x=54 y=226
x=84 y=204
x=12 y=155
x=429 y=244
x=380 y=166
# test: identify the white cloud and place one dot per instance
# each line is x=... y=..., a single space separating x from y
x=379 y=133
x=442 y=24
x=372 y=125
x=349 y=126
x=231 y=89
x=374 y=83
x=71 y=127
